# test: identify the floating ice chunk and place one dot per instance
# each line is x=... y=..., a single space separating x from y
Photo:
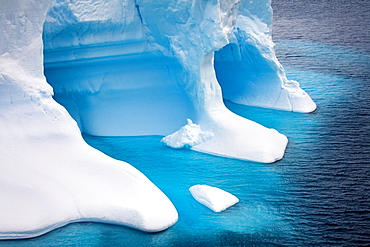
x=187 y=136
x=214 y=198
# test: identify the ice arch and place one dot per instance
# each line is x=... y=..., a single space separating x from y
x=143 y=68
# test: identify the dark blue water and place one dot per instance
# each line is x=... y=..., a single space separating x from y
x=317 y=195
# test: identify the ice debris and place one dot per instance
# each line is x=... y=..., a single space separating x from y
x=187 y=136
x=214 y=198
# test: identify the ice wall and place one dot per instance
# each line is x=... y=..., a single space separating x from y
x=49 y=176
x=108 y=71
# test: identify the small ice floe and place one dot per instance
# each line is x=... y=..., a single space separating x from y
x=187 y=136
x=214 y=198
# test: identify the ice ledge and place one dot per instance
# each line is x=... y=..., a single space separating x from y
x=228 y=135
x=240 y=138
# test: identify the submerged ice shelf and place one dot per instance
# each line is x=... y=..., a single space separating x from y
x=135 y=67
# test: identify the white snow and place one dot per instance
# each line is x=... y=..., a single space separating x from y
x=187 y=136
x=212 y=197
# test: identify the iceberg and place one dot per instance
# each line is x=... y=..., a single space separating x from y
x=123 y=68
x=212 y=197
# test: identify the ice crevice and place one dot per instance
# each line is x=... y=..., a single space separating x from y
x=126 y=68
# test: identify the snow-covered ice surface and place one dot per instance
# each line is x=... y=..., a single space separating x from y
x=125 y=67
x=214 y=198
x=49 y=176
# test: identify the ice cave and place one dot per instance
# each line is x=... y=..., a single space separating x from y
x=127 y=68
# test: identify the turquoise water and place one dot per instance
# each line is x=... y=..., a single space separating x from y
x=318 y=195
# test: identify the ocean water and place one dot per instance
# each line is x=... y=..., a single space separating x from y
x=318 y=195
